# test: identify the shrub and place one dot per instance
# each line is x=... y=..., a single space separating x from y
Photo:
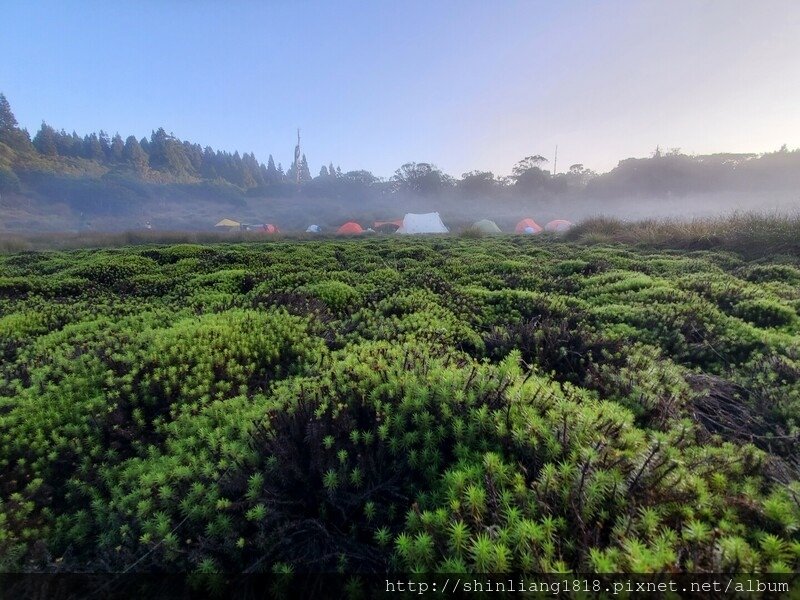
x=765 y=313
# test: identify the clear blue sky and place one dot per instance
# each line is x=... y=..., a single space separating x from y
x=465 y=85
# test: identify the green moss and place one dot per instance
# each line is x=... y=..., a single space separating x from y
x=448 y=404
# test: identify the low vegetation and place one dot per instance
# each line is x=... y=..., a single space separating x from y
x=446 y=404
x=749 y=234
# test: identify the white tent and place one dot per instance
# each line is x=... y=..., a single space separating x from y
x=313 y=229
x=427 y=223
x=228 y=224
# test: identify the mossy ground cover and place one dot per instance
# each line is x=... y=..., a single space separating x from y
x=442 y=404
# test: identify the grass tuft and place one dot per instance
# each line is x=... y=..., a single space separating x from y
x=749 y=234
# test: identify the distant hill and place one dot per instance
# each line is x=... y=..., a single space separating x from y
x=59 y=181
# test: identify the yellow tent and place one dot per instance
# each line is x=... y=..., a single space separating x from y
x=228 y=224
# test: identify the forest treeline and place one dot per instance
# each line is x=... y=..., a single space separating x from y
x=98 y=171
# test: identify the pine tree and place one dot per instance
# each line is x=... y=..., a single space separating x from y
x=272 y=173
x=117 y=148
x=105 y=143
x=92 y=149
x=167 y=154
x=77 y=145
x=208 y=168
x=323 y=171
x=238 y=175
x=250 y=172
x=134 y=154
x=45 y=140
x=305 y=173
x=10 y=133
x=8 y=122
x=194 y=154
x=65 y=144
x=331 y=170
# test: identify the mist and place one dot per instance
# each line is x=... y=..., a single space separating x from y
x=55 y=181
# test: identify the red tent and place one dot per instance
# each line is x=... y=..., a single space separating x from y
x=527 y=226
x=269 y=228
x=350 y=228
x=558 y=225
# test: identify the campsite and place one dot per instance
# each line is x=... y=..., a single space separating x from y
x=410 y=224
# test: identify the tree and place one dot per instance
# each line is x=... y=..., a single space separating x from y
x=76 y=145
x=117 y=148
x=166 y=154
x=66 y=144
x=528 y=176
x=92 y=149
x=237 y=173
x=528 y=163
x=422 y=179
x=251 y=174
x=479 y=183
x=578 y=176
x=10 y=133
x=45 y=140
x=302 y=168
x=323 y=171
x=331 y=170
x=362 y=177
x=105 y=143
x=305 y=173
x=208 y=166
x=134 y=154
x=272 y=175
x=8 y=121
x=194 y=154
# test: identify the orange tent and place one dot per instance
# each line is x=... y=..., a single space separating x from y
x=349 y=228
x=527 y=226
x=269 y=228
x=558 y=225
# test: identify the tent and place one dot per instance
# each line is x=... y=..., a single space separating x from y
x=527 y=226
x=228 y=224
x=486 y=226
x=350 y=228
x=269 y=228
x=388 y=226
x=425 y=223
x=558 y=225
x=313 y=229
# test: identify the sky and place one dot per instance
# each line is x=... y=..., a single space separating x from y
x=462 y=84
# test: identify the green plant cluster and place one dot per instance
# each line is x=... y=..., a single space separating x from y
x=488 y=404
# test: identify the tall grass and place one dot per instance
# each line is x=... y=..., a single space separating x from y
x=10 y=243
x=749 y=234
